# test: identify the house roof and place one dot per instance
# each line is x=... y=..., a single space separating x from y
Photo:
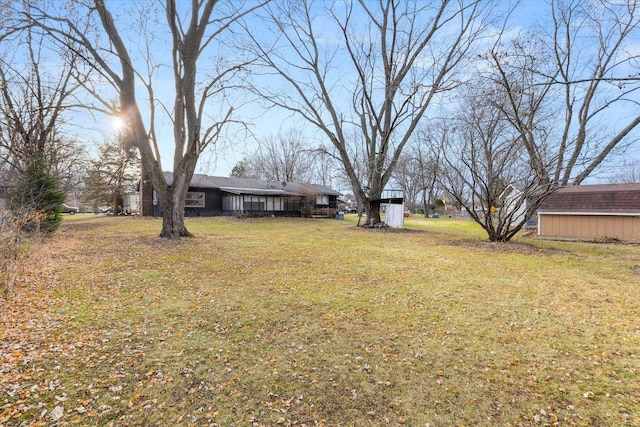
x=254 y=186
x=601 y=198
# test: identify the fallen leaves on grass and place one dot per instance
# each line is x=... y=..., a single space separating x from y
x=31 y=333
x=259 y=328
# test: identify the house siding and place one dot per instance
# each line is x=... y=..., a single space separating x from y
x=212 y=203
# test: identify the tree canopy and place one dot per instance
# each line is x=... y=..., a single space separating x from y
x=453 y=96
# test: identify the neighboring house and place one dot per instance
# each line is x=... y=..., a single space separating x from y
x=515 y=203
x=592 y=212
x=217 y=196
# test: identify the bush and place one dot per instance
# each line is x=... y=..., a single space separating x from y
x=36 y=199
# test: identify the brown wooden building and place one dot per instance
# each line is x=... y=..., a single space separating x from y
x=592 y=212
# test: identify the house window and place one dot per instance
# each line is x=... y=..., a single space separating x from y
x=194 y=200
x=322 y=200
x=274 y=203
x=232 y=203
x=291 y=204
x=254 y=203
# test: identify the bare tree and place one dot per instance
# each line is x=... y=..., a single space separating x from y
x=34 y=102
x=291 y=157
x=595 y=86
x=581 y=70
x=125 y=59
x=545 y=113
x=324 y=168
x=486 y=169
x=370 y=67
x=284 y=157
x=419 y=168
x=406 y=177
x=429 y=166
x=629 y=173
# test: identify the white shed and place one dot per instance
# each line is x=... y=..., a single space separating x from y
x=395 y=213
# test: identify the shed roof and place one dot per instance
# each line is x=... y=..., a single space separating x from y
x=600 y=198
x=253 y=186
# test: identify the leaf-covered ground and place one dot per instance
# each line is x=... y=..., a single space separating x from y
x=316 y=322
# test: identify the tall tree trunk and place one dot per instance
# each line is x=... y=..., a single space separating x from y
x=173 y=226
x=426 y=203
x=372 y=207
x=117 y=204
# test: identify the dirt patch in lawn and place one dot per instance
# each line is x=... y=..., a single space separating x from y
x=504 y=247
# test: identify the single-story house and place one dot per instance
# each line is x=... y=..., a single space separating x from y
x=592 y=212
x=218 y=196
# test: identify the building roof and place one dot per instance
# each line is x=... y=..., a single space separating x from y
x=254 y=186
x=601 y=198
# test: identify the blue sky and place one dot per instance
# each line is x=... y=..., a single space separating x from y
x=237 y=144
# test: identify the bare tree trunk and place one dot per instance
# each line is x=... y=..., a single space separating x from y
x=372 y=209
x=173 y=226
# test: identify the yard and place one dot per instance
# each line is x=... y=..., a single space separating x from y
x=315 y=322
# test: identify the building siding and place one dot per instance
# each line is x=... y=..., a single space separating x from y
x=592 y=212
x=590 y=227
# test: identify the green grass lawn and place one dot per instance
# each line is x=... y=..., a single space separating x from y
x=316 y=322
